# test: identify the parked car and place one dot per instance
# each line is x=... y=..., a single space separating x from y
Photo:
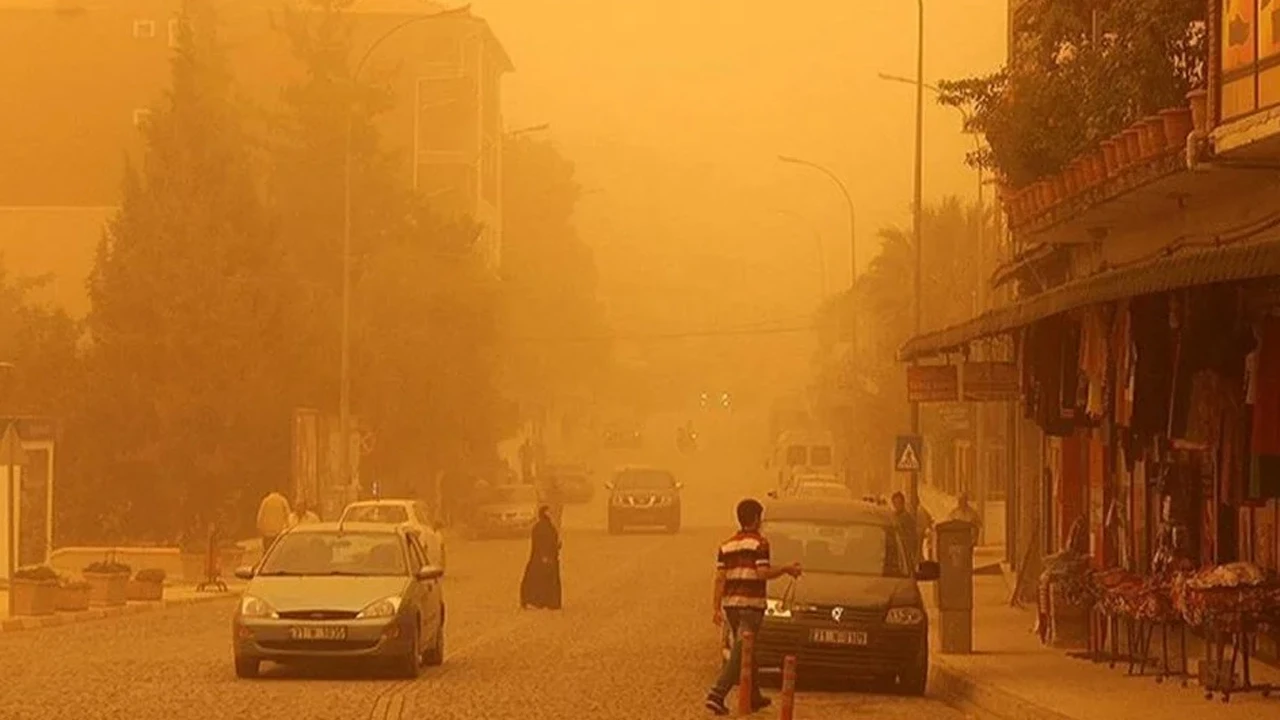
x=623 y=437
x=507 y=510
x=821 y=486
x=341 y=591
x=857 y=613
x=576 y=485
x=643 y=496
x=413 y=513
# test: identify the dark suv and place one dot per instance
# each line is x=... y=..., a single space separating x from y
x=643 y=496
x=857 y=612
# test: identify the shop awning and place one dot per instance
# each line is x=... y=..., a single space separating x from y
x=1172 y=271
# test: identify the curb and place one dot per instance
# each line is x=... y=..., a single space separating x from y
x=16 y=624
x=961 y=691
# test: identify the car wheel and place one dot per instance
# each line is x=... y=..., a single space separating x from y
x=247 y=667
x=913 y=682
x=409 y=665
x=435 y=656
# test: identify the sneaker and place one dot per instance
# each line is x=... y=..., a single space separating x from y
x=760 y=703
x=716 y=705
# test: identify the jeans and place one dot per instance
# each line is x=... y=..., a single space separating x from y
x=739 y=619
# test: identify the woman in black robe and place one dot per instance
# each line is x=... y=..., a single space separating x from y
x=541 y=585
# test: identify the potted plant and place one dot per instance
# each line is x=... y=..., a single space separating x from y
x=72 y=595
x=1155 y=131
x=1110 y=165
x=108 y=582
x=1133 y=143
x=147 y=585
x=1198 y=101
x=33 y=590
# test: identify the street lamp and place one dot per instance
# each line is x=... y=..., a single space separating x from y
x=344 y=399
x=527 y=130
x=916 y=229
x=817 y=241
x=853 y=237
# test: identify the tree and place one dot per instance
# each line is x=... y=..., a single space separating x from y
x=187 y=322
x=551 y=314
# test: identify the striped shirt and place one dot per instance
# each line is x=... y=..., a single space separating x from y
x=741 y=558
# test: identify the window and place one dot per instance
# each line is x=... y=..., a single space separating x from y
x=144 y=29
x=334 y=553
x=848 y=548
x=387 y=514
x=174 y=34
x=797 y=455
x=820 y=455
x=644 y=480
x=141 y=116
x=417 y=556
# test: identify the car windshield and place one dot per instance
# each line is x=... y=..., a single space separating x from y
x=514 y=494
x=841 y=548
x=391 y=514
x=797 y=455
x=820 y=455
x=644 y=480
x=334 y=553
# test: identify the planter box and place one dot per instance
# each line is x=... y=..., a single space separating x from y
x=32 y=597
x=71 y=599
x=193 y=567
x=140 y=591
x=107 y=589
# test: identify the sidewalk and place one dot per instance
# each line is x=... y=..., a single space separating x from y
x=174 y=595
x=1013 y=677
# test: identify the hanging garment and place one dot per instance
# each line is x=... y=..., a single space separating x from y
x=1094 y=332
x=1264 y=448
x=1122 y=384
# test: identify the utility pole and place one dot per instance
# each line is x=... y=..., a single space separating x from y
x=913 y=494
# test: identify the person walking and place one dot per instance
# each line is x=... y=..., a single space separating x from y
x=743 y=571
x=908 y=529
x=540 y=587
x=273 y=518
x=965 y=512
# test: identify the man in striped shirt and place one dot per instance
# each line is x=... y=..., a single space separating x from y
x=741 y=596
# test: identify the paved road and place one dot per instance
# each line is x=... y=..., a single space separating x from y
x=633 y=643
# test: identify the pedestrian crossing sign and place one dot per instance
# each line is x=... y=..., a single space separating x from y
x=906 y=453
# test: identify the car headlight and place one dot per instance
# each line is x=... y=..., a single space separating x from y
x=776 y=608
x=386 y=607
x=256 y=607
x=904 y=616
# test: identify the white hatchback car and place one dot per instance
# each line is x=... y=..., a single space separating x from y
x=411 y=513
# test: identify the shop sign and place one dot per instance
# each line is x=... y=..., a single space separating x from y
x=991 y=381
x=933 y=383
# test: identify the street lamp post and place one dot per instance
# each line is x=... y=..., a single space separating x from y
x=916 y=222
x=344 y=398
x=853 y=236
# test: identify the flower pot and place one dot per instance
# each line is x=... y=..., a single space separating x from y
x=143 y=591
x=1145 y=148
x=1110 y=163
x=107 y=589
x=1177 y=126
x=1097 y=167
x=1059 y=183
x=1070 y=178
x=1155 y=132
x=1133 y=144
x=1123 y=160
x=193 y=567
x=71 y=599
x=1198 y=101
x=32 y=597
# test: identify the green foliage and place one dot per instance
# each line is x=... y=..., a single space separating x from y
x=1070 y=87
x=36 y=573
x=150 y=575
x=107 y=567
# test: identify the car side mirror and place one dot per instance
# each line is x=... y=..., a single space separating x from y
x=429 y=572
x=244 y=572
x=928 y=571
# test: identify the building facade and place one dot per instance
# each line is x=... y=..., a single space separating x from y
x=84 y=73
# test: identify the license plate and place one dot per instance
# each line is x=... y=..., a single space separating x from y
x=318 y=632
x=838 y=637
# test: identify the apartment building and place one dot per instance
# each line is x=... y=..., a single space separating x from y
x=79 y=77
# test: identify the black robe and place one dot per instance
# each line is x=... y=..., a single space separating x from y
x=541 y=585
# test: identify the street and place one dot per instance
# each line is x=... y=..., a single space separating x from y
x=634 y=641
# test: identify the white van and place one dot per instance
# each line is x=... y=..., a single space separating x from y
x=803 y=452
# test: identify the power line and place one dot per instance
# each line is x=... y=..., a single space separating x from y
x=735 y=332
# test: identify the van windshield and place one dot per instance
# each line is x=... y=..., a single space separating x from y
x=836 y=548
x=820 y=455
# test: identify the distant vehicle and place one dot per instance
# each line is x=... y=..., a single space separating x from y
x=576 y=486
x=643 y=496
x=857 y=612
x=623 y=437
x=802 y=452
x=413 y=513
x=335 y=592
x=509 y=510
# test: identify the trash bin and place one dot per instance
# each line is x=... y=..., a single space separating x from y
x=955 y=586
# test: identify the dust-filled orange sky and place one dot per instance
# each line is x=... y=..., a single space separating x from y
x=675 y=113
